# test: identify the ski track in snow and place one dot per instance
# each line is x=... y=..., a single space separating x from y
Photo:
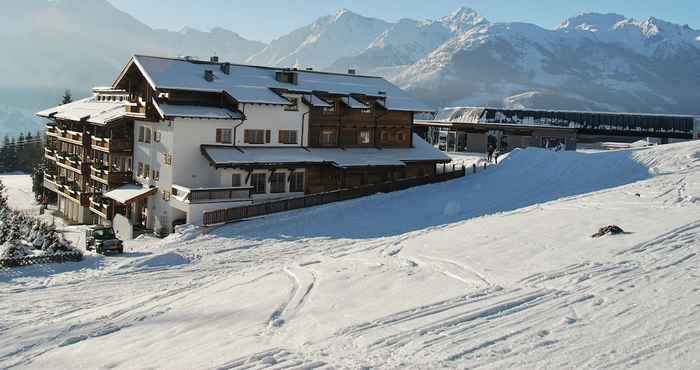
x=608 y=308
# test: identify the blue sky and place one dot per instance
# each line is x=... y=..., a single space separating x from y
x=267 y=19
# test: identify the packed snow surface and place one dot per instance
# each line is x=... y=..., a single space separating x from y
x=495 y=270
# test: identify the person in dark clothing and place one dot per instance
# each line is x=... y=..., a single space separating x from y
x=489 y=152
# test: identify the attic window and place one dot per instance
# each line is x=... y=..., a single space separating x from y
x=209 y=75
x=288 y=77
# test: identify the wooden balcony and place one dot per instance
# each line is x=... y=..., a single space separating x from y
x=211 y=195
x=101 y=206
x=73 y=164
x=73 y=137
x=112 y=145
x=52 y=131
x=69 y=190
x=108 y=177
x=50 y=154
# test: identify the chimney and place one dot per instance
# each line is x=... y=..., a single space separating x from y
x=226 y=68
x=209 y=75
x=214 y=59
x=352 y=72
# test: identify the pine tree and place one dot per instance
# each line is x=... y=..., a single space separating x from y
x=67 y=97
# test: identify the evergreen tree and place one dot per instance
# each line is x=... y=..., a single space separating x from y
x=5 y=155
x=67 y=97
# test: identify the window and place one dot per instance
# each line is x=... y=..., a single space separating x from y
x=257 y=136
x=296 y=182
x=287 y=137
x=156 y=136
x=141 y=134
x=155 y=175
x=148 y=136
x=277 y=182
x=167 y=159
x=328 y=137
x=329 y=110
x=258 y=181
x=365 y=137
x=224 y=136
x=400 y=137
x=140 y=172
x=236 y=180
x=385 y=136
x=294 y=106
x=147 y=171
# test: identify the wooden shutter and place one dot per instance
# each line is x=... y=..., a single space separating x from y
x=218 y=135
x=268 y=135
x=248 y=136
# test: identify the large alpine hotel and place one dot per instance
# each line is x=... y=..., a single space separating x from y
x=172 y=138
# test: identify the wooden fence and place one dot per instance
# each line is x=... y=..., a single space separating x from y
x=54 y=258
x=222 y=216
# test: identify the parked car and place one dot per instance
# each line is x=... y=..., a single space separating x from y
x=103 y=240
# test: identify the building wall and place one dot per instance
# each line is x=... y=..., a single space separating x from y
x=274 y=118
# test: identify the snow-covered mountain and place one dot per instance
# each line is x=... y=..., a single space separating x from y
x=321 y=43
x=77 y=43
x=407 y=41
x=593 y=61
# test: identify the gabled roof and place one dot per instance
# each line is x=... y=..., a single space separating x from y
x=254 y=84
x=88 y=110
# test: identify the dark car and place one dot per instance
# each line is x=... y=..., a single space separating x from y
x=103 y=240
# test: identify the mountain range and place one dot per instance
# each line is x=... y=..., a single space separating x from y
x=590 y=62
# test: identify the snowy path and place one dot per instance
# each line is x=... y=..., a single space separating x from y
x=496 y=270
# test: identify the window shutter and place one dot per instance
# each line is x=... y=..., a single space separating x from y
x=268 y=135
x=248 y=135
x=218 y=135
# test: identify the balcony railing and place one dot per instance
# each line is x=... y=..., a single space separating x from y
x=67 y=189
x=100 y=206
x=211 y=195
x=108 y=176
x=111 y=145
x=73 y=137
x=73 y=163
x=50 y=154
x=52 y=131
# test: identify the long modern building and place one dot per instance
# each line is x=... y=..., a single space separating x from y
x=172 y=138
x=474 y=128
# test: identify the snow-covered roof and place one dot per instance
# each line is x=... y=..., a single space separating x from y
x=354 y=103
x=315 y=101
x=227 y=156
x=168 y=111
x=254 y=84
x=129 y=193
x=89 y=110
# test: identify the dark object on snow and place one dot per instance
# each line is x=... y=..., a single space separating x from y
x=638 y=195
x=608 y=230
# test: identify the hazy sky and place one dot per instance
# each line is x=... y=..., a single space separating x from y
x=267 y=19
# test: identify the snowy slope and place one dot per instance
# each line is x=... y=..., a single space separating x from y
x=496 y=270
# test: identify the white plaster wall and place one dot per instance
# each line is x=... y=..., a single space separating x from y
x=275 y=118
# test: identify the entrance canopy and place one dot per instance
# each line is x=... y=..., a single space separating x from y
x=130 y=193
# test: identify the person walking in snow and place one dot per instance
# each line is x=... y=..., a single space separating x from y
x=489 y=152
